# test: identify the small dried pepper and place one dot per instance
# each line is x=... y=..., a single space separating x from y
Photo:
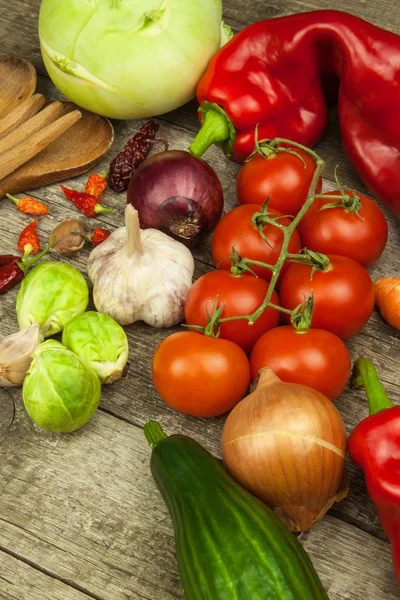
x=96 y=184
x=14 y=268
x=131 y=156
x=29 y=242
x=85 y=202
x=29 y=206
x=98 y=235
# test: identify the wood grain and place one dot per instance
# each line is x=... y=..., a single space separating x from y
x=20 y=581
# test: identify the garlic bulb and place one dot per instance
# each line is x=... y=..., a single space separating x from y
x=16 y=355
x=141 y=275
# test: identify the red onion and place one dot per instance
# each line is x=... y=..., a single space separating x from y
x=177 y=193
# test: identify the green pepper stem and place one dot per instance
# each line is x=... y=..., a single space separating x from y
x=24 y=264
x=100 y=209
x=365 y=375
x=154 y=433
x=13 y=199
x=214 y=130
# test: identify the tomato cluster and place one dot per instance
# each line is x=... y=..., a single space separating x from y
x=206 y=370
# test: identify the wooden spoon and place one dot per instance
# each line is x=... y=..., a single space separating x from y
x=23 y=111
x=17 y=82
x=73 y=153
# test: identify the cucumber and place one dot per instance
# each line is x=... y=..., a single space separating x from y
x=229 y=545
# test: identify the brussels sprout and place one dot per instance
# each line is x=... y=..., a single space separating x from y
x=99 y=341
x=60 y=391
x=51 y=295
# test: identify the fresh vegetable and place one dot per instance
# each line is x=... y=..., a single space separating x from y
x=177 y=193
x=269 y=79
x=16 y=355
x=11 y=273
x=28 y=241
x=375 y=447
x=346 y=223
x=135 y=151
x=60 y=392
x=129 y=59
x=314 y=358
x=14 y=268
x=387 y=291
x=240 y=229
x=51 y=295
x=141 y=275
x=87 y=204
x=200 y=375
x=100 y=342
x=96 y=185
x=286 y=444
x=343 y=293
x=283 y=178
x=218 y=558
x=29 y=206
x=69 y=237
x=98 y=236
x=234 y=295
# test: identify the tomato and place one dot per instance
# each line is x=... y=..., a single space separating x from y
x=200 y=376
x=344 y=295
x=241 y=295
x=282 y=177
x=361 y=237
x=316 y=358
x=236 y=229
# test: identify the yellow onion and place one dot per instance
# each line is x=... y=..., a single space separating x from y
x=286 y=444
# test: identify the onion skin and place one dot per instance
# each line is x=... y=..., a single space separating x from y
x=387 y=298
x=177 y=193
x=286 y=444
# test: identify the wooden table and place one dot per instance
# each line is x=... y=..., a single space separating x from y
x=80 y=516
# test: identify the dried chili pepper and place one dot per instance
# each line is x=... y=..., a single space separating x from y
x=28 y=242
x=98 y=235
x=29 y=206
x=6 y=259
x=85 y=202
x=14 y=268
x=131 y=156
x=10 y=276
x=96 y=184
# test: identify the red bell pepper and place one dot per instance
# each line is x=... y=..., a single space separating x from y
x=275 y=74
x=375 y=447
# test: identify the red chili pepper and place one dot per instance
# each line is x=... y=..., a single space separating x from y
x=271 y=73
x=14 y=268
x=10 y=276
x=96 y=184
x=86 y=203
x=29 y=242
x=375 y=447
x=6 y=259
x=29 y=206
x=98 y=235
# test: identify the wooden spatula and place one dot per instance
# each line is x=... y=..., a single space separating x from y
x=73 y=153
x=18 y=82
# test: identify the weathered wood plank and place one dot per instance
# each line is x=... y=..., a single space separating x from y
x=48 y=476
x=19 y=581
x=85 y=508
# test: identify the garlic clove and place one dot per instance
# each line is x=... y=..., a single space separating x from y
x=16 y=355
x=69 y=236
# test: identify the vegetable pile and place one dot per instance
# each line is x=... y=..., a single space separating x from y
x=289 y=288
